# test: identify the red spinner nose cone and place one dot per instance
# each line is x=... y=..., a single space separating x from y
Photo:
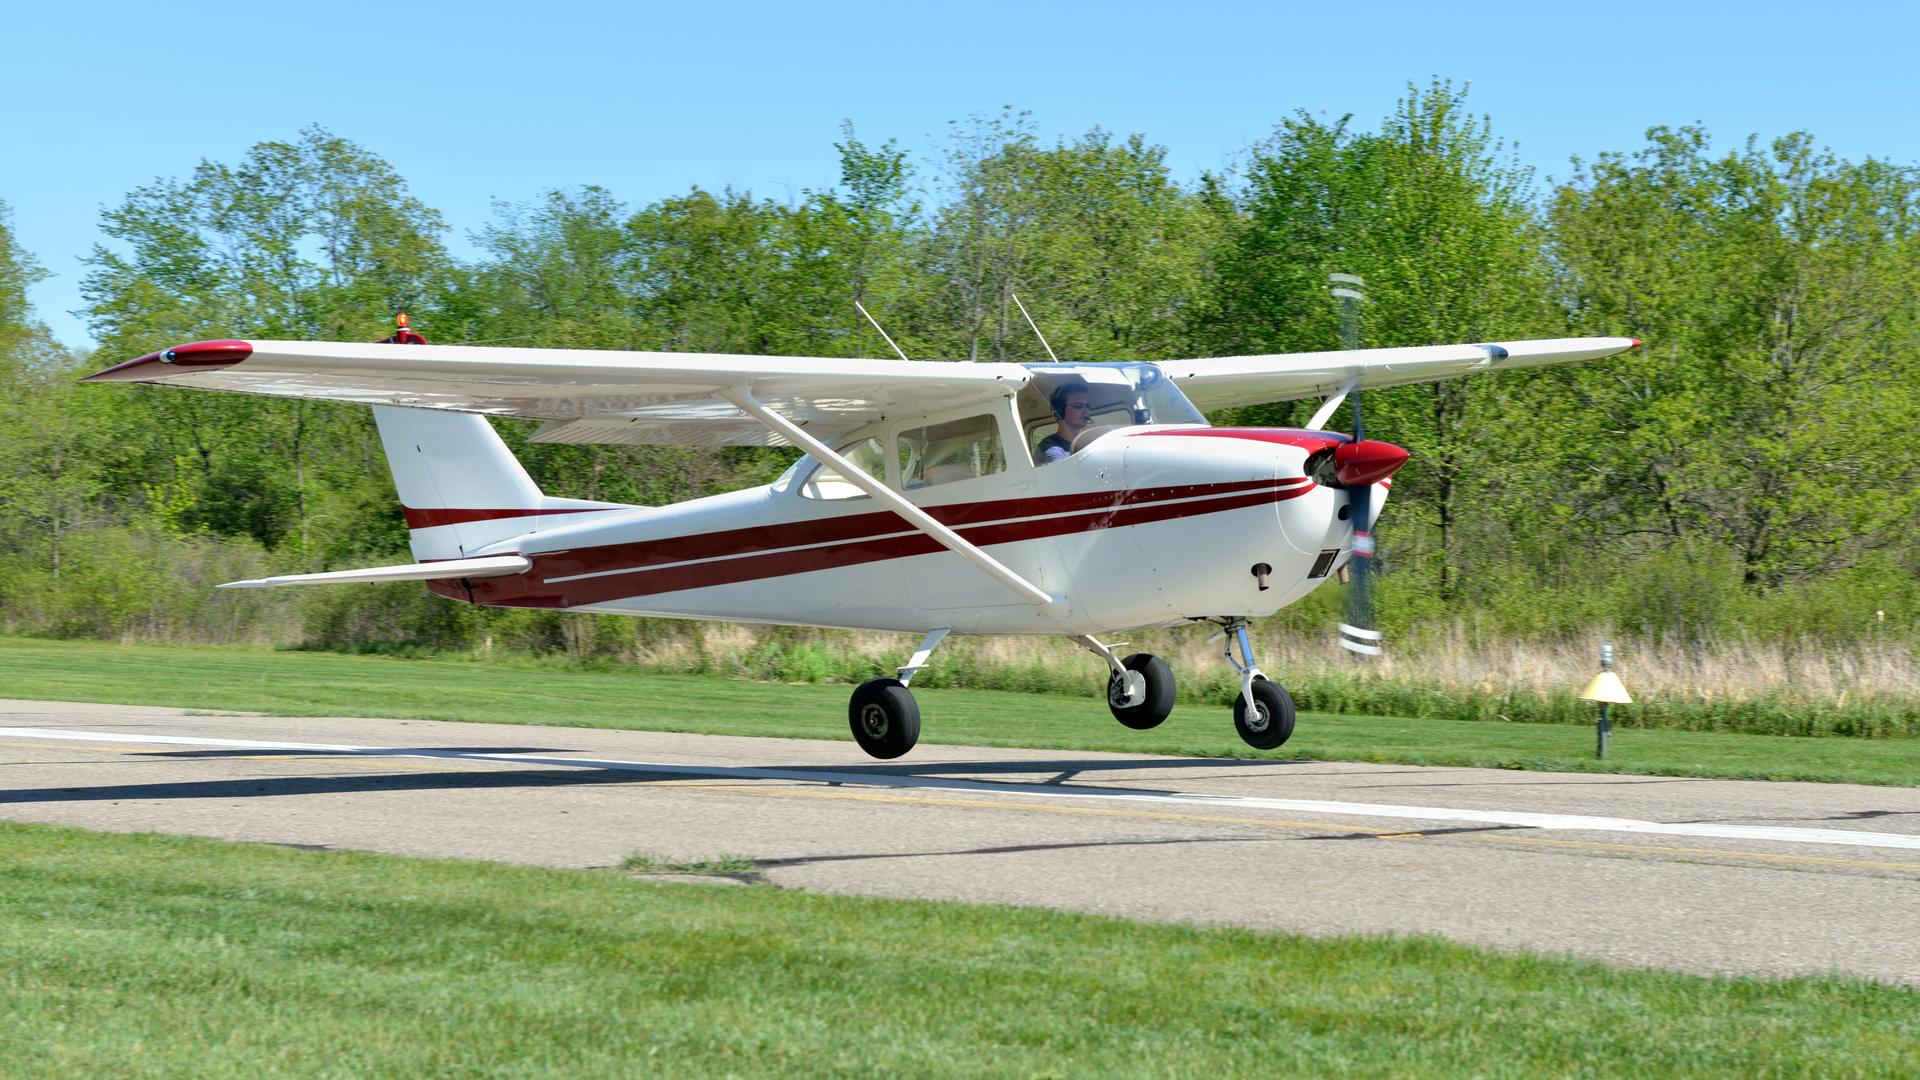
x=1357 y=464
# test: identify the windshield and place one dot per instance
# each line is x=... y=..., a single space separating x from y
x=1123 y=394
x=1117 y=395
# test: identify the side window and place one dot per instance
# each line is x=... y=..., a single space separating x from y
x=867 y=455
x=955 y=450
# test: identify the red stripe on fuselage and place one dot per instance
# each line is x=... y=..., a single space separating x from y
x=637 y=569
x=761 y=539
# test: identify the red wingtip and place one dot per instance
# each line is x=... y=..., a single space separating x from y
x=181 y=358
x=1636 y=343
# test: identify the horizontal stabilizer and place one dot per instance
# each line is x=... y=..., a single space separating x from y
x=492 y=566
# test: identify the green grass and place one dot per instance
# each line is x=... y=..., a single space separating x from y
x=731 y=866
x=326 y=684
x=163 y=956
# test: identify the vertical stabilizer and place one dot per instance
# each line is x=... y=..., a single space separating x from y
x=461 y=488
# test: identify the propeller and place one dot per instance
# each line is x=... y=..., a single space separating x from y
x=1359 y=465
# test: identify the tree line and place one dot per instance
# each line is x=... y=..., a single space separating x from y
x=1749 y=472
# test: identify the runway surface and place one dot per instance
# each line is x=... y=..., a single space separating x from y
x=1713 y=876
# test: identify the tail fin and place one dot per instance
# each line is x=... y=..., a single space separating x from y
x=461 y=488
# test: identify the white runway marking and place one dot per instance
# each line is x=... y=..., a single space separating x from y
x=1510 y=818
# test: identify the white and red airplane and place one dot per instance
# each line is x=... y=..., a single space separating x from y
x=923 y=502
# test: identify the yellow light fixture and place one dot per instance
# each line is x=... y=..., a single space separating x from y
x=1606 y=687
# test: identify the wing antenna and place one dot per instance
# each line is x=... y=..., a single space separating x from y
x=876 y=326
x=1036 y=327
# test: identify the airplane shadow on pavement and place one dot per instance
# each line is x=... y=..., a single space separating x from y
x=1056 y=775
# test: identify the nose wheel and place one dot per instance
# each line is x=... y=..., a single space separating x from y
x=1266 y=720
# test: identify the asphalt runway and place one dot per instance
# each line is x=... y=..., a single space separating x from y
x=1711 y=876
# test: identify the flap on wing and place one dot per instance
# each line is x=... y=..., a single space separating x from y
x=631 y=431
x=632 y=397
x=1230 y=381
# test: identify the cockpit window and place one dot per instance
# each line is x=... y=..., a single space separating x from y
x=1117 y=395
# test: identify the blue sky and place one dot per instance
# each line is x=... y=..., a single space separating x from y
x=480 y=101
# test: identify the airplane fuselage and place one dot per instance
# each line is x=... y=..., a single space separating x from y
x=1150 y=525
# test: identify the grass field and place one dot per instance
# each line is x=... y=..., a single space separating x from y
x=326 y=684
x=158 y=956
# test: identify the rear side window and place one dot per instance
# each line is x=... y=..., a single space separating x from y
x=955 y=450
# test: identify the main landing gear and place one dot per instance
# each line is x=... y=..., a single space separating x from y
x=883 y=715
x=1139 y=688
x=885 y=719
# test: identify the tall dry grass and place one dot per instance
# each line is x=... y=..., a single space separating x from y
x=1804 y=688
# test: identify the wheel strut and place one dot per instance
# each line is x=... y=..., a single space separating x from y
x=1134 y=684
x=1235 y=631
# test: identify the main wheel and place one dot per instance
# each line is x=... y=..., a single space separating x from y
x=884 y=717
x=1158 y=701
x=1269 y=722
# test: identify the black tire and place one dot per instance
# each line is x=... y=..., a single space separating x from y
x=1158 y=703
x=884 y=717
x=1272 y=724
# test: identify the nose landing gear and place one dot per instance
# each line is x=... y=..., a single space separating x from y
x=1263 y=713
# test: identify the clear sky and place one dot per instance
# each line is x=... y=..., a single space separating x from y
x=480 y=100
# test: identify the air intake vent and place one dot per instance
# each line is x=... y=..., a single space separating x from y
x=1323 y=564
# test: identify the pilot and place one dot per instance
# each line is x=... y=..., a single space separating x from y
x=1070 y=403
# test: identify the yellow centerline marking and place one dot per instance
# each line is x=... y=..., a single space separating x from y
x=763 y=788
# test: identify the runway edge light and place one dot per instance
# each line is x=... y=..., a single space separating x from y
x=1606 y=689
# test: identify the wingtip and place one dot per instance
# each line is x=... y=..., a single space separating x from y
x=192 y=356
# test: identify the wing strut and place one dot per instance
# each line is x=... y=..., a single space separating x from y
x=918 y=518
x=1325 y=412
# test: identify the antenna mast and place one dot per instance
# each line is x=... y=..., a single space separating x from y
x=876 y=326
x=1036 y=328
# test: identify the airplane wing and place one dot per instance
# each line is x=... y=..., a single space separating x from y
x=586 y=395
x=604 y=396
x=1227 y=381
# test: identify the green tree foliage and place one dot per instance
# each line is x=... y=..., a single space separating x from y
x=77 y=556
x=1771 y=416
x=18 y=272
x=1107 y=252
x=311 y=239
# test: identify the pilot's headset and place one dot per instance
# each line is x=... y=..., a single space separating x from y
x=1058 y=399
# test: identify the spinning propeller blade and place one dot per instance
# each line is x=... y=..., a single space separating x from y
x=1359 y=465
